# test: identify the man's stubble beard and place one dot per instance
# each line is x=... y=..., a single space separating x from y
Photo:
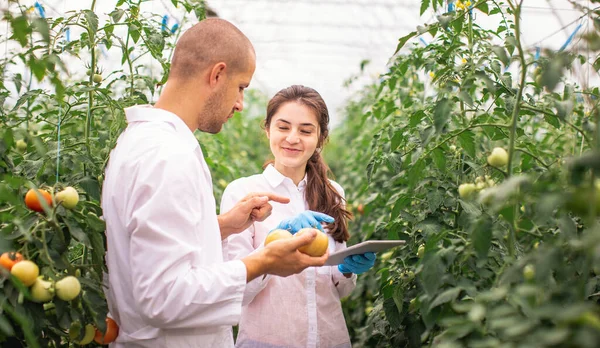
x=211 y=118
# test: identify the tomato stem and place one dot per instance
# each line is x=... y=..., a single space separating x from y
x=515 y=117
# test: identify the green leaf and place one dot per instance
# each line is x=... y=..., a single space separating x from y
x=92 y=22
x=465 y=97
x=38 y=67
x=597 y=64
x=116 y=15
x=41 y=26
x=156 y=44
x=20 y=29
x=424 y=6
x=552 y=74
x=134 y=31
x=483 y=7
x=510 y=44
x=397 y=139
x=398 y=298
x=441 y=114
x=394 y=162
x=5 y=326
x=91 y=186
x=97 y=243
x=439 y=158
x=402 y=41
x=94 y=302
x=416 y=118
x=434 y=200
x=76 y=231
x=470 y=208
x=552 y=120
x=95 y=222
x=429 y=227
x=481 y=235
x=391 y=313
x=402 y=202
x=445 y=297
x=416 y=172
x=501 y=54
x=432 y=273
x=458 y=25
x=467 y=142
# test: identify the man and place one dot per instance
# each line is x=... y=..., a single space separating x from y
x=167 y=283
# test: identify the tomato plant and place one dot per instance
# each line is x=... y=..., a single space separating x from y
x=483 y=157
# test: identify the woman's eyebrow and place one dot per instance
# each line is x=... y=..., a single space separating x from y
x=301 y=124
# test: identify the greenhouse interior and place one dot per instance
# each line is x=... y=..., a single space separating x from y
x=278 y=173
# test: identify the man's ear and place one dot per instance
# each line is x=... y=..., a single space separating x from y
x=217 y=73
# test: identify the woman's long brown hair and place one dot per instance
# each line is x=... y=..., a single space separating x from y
x=320 y=193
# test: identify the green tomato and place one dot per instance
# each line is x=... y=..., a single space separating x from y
x=26 y=271
x=90 y=332
x=529 y=272
x=68 y=288
x=42 y=291
x=498 y=157
x=465 y=190
x=21 y=146
x=97 y=78
x=421 y=251
x=69 y=197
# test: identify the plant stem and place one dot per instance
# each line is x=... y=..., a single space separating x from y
x=88 y=117
x=515 y=117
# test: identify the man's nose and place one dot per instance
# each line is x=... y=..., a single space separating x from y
x=239 y=104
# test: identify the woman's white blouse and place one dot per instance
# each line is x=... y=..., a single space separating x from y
x=302 y=310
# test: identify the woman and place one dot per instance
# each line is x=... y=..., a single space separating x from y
x=303 y=310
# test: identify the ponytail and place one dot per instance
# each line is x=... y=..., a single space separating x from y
x=323 y=197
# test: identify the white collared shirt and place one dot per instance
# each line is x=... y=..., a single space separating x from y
x=302 y=310
x=167 y=283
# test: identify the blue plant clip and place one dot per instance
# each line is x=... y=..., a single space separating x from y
x=40 y=9
x=570 y=38
x=165 y=21
x=174 y=28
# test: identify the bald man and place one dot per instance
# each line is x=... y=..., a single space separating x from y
x=168 y=285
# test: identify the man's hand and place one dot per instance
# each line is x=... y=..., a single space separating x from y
x=254 y=207
x=282 y=258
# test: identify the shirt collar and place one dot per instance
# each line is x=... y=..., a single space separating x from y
x=275 y=178
x=149 y=113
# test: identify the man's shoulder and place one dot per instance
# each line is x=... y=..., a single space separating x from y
x=154 y=139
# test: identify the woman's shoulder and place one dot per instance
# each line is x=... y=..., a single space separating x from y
x=337 y=187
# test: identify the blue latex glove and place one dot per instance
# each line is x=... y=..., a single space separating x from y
x=305 y=219
x=358 y=263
